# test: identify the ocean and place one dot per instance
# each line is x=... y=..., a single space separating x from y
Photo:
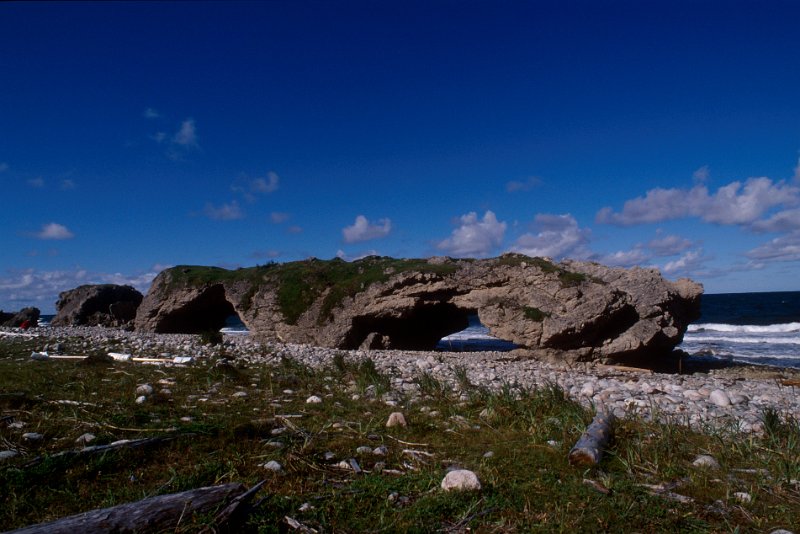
x=756 y=328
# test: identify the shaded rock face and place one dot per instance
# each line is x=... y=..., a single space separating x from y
x=28 y=316
x=97 y=305
x=572 y=310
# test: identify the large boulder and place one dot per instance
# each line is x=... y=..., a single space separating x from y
x=26 y=316
x=572 y=310
x=97 y=305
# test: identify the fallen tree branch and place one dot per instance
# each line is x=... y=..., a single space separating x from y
x=154 y=514
x=95 y=449
x=589 y=449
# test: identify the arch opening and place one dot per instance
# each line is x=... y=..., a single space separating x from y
x=474 y=338
x=209 y=311
x=419 y=328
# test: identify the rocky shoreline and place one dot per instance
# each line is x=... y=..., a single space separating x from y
x=733 y=397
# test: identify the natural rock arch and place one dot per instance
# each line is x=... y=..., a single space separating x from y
x=207 y=311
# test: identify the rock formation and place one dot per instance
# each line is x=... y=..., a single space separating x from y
x=97 y=305
x=574 y=310
x=15 y=319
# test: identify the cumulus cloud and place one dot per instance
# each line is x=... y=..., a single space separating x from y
x=474 y=237
x=54 y=231
x=514 y=185
x=668 y=245
x=557 y=237
x=186 y=136
x=689 y=261
x=151 y=113
x=625 y=258
x=226 y=212
x=278 y=217
x=735 y=203
x=783 y=248
x=30 y=287
x=265 y=185
x=782 y=221
x=363 y=230
x=700 y=176
x=344 y=256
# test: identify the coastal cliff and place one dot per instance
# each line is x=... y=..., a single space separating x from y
x=570 y=310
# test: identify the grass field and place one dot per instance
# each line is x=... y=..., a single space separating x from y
x=225 y=423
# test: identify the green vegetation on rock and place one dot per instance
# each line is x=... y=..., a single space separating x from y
x=534 y=314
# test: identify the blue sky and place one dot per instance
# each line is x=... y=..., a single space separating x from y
x=135 y=136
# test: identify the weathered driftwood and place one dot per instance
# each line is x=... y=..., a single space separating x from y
x=154 y=514
x=95 y=449
x=589 y=448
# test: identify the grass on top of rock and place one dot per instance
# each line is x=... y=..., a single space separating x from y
x=225 y=423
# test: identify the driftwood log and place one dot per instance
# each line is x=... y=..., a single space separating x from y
x=154 y=514
x=589 y=449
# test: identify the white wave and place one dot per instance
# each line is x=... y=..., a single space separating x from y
x=744 y=339
x=745 y=328
x=234 y=330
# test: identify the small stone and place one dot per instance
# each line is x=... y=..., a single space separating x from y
x=186 y=419
x=328 y=456
x=165 y=392
x=743 y=497
x=396 y=419
x=288 y=391
x=141 y=399
x=273 y=466
x=17 y=425
x=364 y=450
x=461 y=480
x=313 y=399
x=704 y=460
x=278 y=431
x=144 y=389
x=553 y=443
x=488 y=454
x=5 y=455
x=32 y=436
x=781 y=531
x=380 y=450
x=239 y=394
x=719 y=397
x=305 y=507
x=85 y=439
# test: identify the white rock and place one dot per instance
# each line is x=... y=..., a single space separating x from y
x=144 y=389
x=85 y=439
x=17 y=425
x=704 y=460
x=5 y=455
x=32 y=436
x=140 y=399
x=737 y=398
x=273 y=466
x=781 y=531
x=461 y=480
x=239 y=394
x=488 y=454
x=719 y=397
x=693 y=395
x=587 y=390
x=381 y=450
x=305 y=507
x=313 y=399
x=396 y=419
x=364 y=450
x=743 y=497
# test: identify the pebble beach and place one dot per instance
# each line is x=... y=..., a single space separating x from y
x=733 y=398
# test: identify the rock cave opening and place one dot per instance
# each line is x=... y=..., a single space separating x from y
x=419 y=328
x=474 y=338
x=209 y=311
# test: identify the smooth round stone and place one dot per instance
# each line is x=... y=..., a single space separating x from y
x=144 y=389
x=273 y=466
x=704 y=460
x=5 y=455
x=364 y=450
x=743 y=497
x=719 y=397
x=396 y=419
x=461 y=480
x=239 y=394
x=313 y=399
x=85 y=439
x=32 y=436
x=693 y=395
x=141 y=399
x=381 y=450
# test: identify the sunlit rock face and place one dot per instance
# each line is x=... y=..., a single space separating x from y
x=570 y=310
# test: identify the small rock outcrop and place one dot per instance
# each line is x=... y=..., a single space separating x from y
x=97 y=305
x=26 y=316
x=570 y=310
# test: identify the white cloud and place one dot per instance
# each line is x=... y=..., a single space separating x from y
x=668 y=245
x=514 y=185
x=782 y=221
x=37 y=182
x=268 y=185
x=3 y=167
x=54 y=231
x=186 y=136
x=363 y=230
x=474 y=237
x=701 y=175
x=625 y=258
x=558 y=236
x=783 y=248
x=735 y=203
x=797 y=171
x=689 y=261
x=151 y=113
x=343 y=256
x=30 y=287
x=226 y=212
x=278 y=217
